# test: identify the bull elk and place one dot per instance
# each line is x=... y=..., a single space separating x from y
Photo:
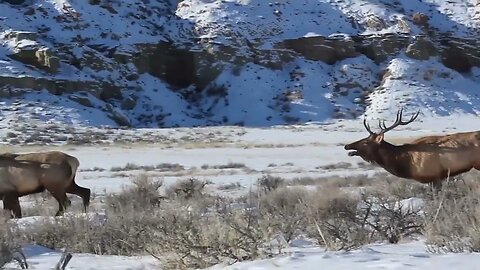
x=24 y=174
x=428 y=160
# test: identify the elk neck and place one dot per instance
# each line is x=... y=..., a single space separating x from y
x=395 y=159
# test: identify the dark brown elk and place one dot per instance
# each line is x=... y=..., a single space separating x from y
x=24 y=174
x=428 y=160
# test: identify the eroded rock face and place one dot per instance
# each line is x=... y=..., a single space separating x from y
x=421 y=49
x=47 y=59
x=460 y=54
x=331 y=50
x=116 y=115
x=81 y=99
x=27 y=50
x=323 y=49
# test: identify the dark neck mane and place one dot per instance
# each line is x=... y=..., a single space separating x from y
x=393 y=159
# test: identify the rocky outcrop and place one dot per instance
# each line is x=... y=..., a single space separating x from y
x=421 y=49
x=28 y=51
x=328 y=50
x=460 y=54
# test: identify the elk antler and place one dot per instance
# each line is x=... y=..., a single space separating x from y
x=367 y=127
x=398 y=122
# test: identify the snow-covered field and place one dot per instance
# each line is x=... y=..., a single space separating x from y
x=289 y=152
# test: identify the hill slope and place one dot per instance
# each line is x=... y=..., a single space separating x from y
x=242 y=62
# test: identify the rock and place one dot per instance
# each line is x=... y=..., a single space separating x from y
x=132 y=77
x=129 y=103
x=110 y=91
x=46 y=59
x=378 y=48
x=82 y=100
x=460 y=54
x=328 y=50
x=27 y=50
x=375 y=23
x=24 y=51
x=421 y=49
x=117 y=116
x=420 y=19
x=17 y=36
x=29 y=12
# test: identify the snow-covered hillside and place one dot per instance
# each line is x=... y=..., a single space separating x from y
x=240 y=62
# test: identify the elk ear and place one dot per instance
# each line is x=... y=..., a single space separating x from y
x=379 y=138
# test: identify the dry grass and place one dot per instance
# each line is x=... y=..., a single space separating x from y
x=190 y=228
x=452 y=223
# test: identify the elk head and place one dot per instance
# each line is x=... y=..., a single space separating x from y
x=369 y=147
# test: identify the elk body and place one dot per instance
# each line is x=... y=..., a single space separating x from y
x=428 y=160
x=24 y=174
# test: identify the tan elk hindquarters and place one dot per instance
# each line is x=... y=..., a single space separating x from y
x=429 y=159
x=35 y=172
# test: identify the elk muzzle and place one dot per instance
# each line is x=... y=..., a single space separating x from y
x=351 y=147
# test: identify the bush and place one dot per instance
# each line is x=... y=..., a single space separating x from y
x=284 y=209
x=187 y=189
x=269 y=183
x=144 y=194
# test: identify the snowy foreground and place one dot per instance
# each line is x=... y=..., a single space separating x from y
x=382 y=256
x=288 y=152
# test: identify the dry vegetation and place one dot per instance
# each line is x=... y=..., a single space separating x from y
x=188 y=227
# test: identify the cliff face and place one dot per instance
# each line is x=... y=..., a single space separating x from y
x=240 y=62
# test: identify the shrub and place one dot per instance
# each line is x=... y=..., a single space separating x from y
x=283 y=208
x=269 y=183
x=187 y=189
x=144 y=194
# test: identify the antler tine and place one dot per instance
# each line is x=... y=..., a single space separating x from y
x=367 y=127
x=414 y=117
x=398 y=121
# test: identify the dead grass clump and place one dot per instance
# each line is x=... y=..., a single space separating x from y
x=334 y=181
x=132 y=167
x=187 y=189
x=227 y=237
x=333 y=220
x=9 y=248
x=123 y=233
x=398 y=187
x=230 y=165
x=452 y=223
x=230 y=186
x=174 y=167
x=285 y=211
x=144 y=194
x=335 y=166
x=268 y=183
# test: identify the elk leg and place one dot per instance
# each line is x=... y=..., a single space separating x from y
x=61 y=198
x=84 y=193
x=10 y=202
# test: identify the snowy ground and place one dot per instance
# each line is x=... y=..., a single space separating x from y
x=289 y=152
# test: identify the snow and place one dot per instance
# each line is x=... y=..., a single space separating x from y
x=299 y=90
x=411 y=255
x=39 y=257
